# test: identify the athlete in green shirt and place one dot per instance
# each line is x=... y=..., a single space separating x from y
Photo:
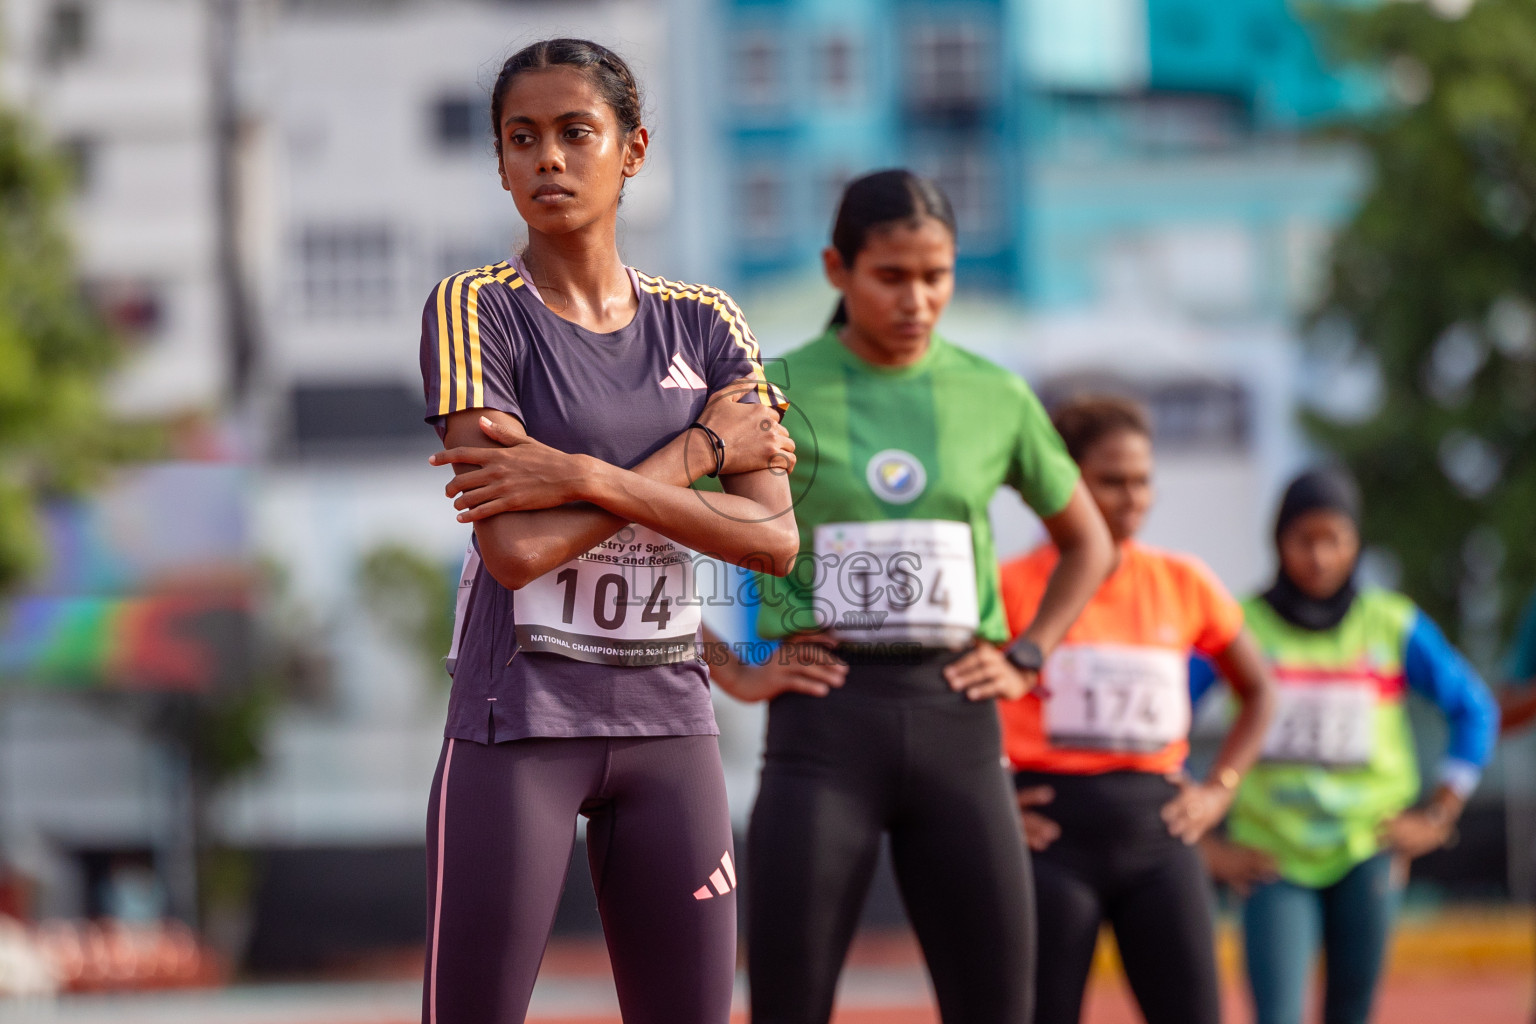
x=883 y=719
x=928 y=440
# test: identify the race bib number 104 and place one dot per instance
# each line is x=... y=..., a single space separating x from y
x=628 y=601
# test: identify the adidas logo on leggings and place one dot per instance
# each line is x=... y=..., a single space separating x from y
x=723 y=878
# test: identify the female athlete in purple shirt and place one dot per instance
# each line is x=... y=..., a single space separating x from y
x=571 y=387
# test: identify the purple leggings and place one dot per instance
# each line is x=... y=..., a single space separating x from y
x=500 y=827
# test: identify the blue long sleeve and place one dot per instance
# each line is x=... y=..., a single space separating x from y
x=1438 y=672
x=1203 y=675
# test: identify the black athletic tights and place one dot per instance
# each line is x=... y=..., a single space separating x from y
x=499 y=832
x=894 y=751
x=1116 y=862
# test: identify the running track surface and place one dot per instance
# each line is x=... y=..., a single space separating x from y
x=1500 y=999
x=1448 y=968
x=1468 y=966
x=1503 y=1000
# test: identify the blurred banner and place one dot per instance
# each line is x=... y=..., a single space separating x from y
x=148 y=587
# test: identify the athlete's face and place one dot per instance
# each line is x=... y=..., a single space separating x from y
x=564 y=155
x=1318 y=552
x=1117 y=470
x=896 y=289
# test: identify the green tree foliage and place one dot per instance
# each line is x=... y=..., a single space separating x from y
x=412 y=596
x=1434 y=280
x=288 y=666
x=53 y=351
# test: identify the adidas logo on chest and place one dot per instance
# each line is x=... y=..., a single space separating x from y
x=681 y=375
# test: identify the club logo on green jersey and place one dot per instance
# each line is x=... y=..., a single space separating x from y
x=896 y=476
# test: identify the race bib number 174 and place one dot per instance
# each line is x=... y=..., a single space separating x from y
x=1116 y=697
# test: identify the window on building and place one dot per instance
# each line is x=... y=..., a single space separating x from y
x=838 y=65
x=461 y=254
x=950 y=66
x=68 y=31
x=832 y=184
x=763 y=204
x=457 y=122
x=132 y=309
x=1266 y=36
x=332 y=416
x=1187 y=27
x=970 y=181
x=121 y=883
x=759 y=69
x=1180 y=122
x=1187 y=413
x=347 y=269
x=81 y=155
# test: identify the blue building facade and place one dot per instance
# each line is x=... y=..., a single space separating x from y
x=994 y=98
x=821 y=91
x=1259 y=53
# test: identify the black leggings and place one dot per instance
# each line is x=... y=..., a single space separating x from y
x=895 y=751
x=1116 y=862
x=500 y=828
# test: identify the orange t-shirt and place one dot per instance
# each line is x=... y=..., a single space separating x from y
x=1115 y=694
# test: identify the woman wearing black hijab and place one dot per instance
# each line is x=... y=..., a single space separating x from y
x=1318 y=825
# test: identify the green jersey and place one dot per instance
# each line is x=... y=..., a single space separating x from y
x=922 y=448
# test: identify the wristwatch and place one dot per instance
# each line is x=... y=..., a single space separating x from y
x=1025 y=655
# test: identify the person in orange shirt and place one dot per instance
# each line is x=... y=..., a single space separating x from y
x=1098 y=748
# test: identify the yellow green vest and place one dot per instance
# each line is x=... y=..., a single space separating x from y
x=1319 y=820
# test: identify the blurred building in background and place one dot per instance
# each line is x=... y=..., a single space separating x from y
x=1137 y=207
x=126 y=89
x=998 y=100
x=377 y=178
x=1138 y=210
x=819 y=91
x=145 y=599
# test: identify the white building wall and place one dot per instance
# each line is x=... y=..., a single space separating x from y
x=349 y=90
x=135 y=98
x=126 y=86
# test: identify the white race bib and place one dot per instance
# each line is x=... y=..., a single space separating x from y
x=1116 y=697
x=628 y=601
x=897 y=581
x=1328 y=722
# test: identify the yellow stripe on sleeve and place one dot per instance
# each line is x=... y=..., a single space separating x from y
x=735 y=321
x=460 y=378
x=461 y=367
x=476 y=382
x=442 y=350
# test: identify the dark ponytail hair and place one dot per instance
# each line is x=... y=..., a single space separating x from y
x=878 y=200
x=603 y=68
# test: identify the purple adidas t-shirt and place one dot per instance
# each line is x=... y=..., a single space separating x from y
x=604 y=645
